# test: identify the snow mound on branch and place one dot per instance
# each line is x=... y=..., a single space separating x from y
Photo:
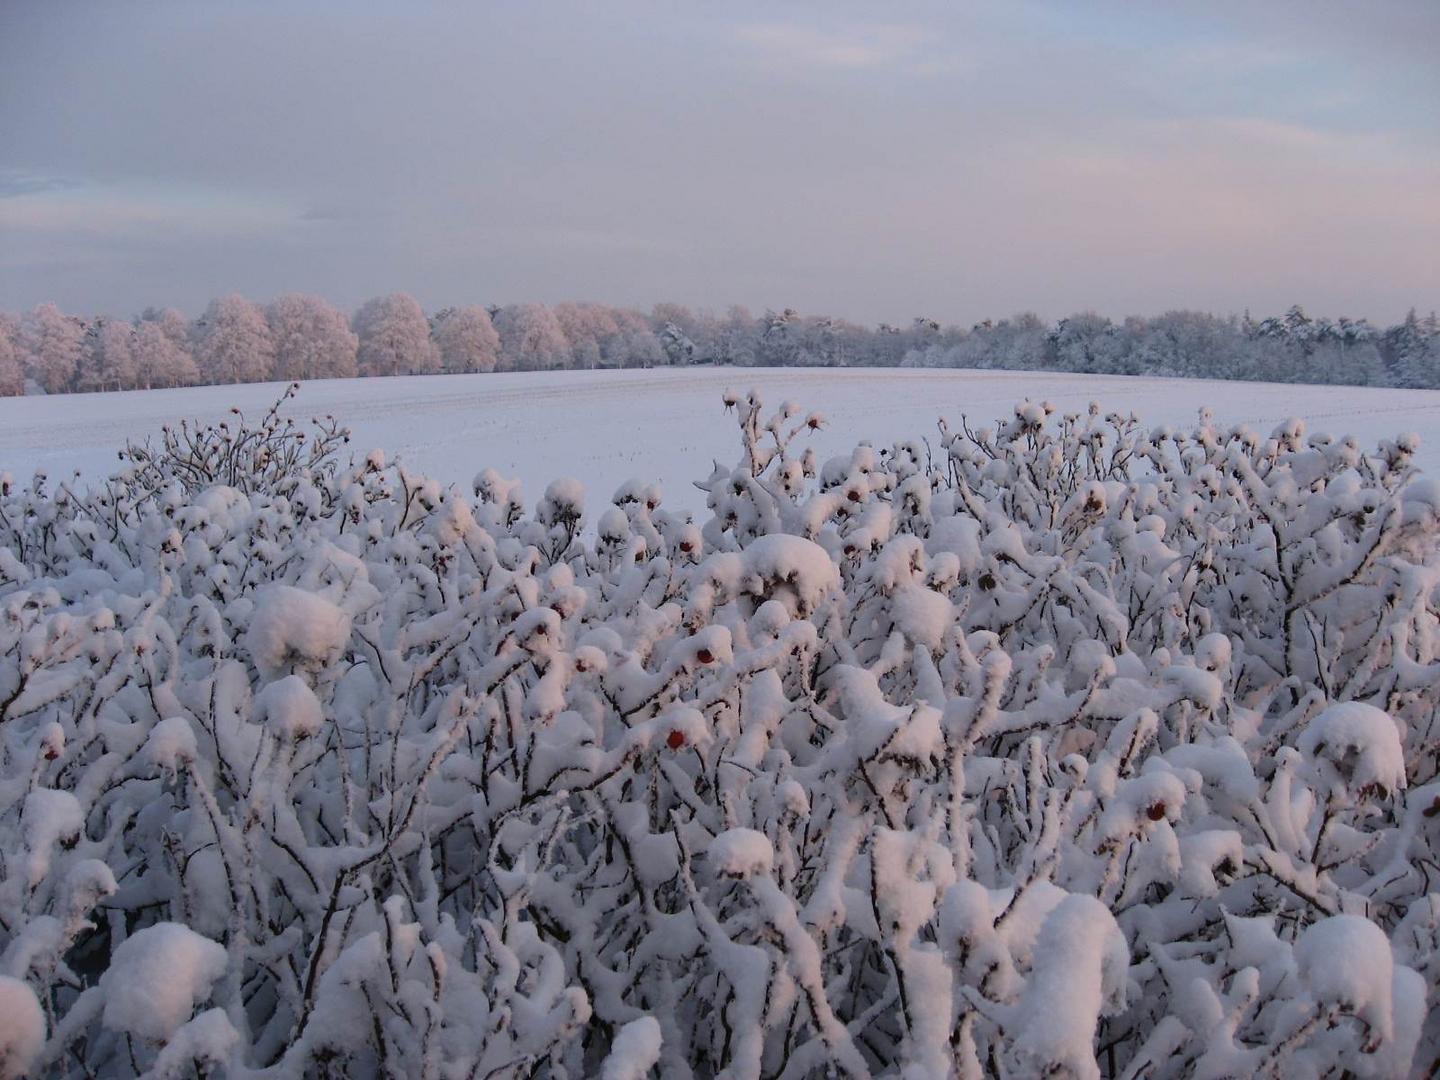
x=209 y=1039
x=1154 y=797
x=741 y=853
x=922 y=615
x=22 y=1028
x=289 y=708
x=171 y=743
x=225 y=506
x=789 y=568
x=1357 y=748
x=1079 y=975
x=51 y=817
x=1345 y=960
x=88 y=882
x=564 y=500
x=291 y=628
x=156 y=978
x=634 y=1052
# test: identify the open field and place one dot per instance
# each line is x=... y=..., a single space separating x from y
x=604 y=427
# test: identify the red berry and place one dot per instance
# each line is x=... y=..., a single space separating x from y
x=1156 y=812
x=675 y=740
x=705 y=656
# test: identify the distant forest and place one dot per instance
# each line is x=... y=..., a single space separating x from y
x=304 y=337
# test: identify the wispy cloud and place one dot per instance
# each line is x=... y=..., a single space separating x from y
x=326 y=213
x=129 y=210
x=340 y=211
x=17 y=182
x=1241 y=138
x=852 y=48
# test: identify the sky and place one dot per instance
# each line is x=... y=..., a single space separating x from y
x=957 y=160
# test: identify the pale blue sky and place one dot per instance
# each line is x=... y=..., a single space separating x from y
x=960 y=160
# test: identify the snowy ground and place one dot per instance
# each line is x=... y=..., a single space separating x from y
x=1049 y=794
x=606 y=427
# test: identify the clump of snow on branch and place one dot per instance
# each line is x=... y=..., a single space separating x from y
x=156 y=976
x=1054 y=746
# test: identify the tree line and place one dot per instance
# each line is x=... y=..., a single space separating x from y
x=305 y=337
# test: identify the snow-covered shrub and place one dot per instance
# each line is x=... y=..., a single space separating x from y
x=1057 y=747
x=272 y=456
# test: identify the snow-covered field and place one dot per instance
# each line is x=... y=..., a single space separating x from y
x=605 y=427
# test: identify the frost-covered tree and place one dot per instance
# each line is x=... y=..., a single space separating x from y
x=779 y=338
x=52 y=347
x=735 y=338
x=1289 y=348
x=395 y=337
x=174 y=324
x=679 y=350
x=681 y=332
x=635 y=344
x=530 y=338
x=832 y=342
x=1338 y=359
x=160 y=356
x=1413 y=355
x=313 y=339
x=1420 y=365
x=110 y=355
x=1087 y=343
x=705 y=330
x=233 y=342
x=467 y=340
x=12 y=374
x=591 y=331
x=1186 y=343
